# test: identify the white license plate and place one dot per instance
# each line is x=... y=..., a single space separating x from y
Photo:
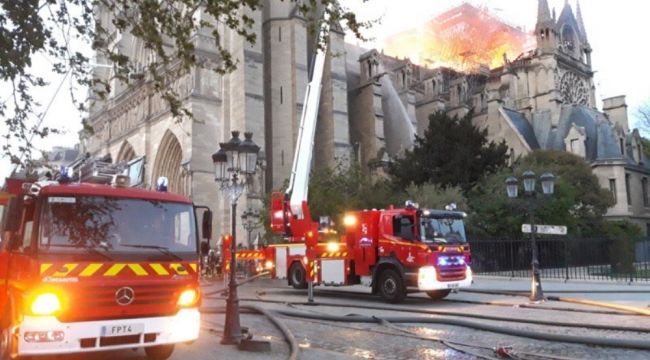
x=453 y=286
x=121 y=330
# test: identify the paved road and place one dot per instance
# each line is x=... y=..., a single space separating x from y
x=329 y=340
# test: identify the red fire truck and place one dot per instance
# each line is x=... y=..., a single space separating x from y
x=393 y=251
x=89 y=267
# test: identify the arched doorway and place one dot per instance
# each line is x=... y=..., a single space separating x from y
x=168 y=163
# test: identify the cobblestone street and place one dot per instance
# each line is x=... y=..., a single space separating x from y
x=320 y=339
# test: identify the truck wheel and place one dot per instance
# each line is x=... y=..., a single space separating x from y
x=298 y=276
x=5 y=343
x=438 y=294
x=160 y=352
x=391 y=286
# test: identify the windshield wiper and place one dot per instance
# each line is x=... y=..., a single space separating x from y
x=162 y=249
x=89 y=249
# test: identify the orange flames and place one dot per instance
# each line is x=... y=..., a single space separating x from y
x=463 y=39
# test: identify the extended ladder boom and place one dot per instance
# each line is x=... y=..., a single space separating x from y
x=299 y=181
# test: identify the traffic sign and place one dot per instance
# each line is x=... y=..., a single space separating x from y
x=545 y=229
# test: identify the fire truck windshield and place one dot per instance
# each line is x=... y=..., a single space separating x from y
x=448 y=231
x=117 y=226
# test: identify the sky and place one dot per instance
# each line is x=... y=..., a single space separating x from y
x=617 y=31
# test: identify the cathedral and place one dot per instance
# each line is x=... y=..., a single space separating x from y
x=372 y=105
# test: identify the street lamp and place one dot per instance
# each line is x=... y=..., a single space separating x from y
x=548 y=187
x=250 y=219
x=232 y=169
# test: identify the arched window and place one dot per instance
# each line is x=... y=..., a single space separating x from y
x=126 y=153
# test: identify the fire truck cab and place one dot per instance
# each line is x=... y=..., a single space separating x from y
x=90 y=267
x=396 y=251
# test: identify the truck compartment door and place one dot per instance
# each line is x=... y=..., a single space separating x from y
x=281 y=262
x=333 y=272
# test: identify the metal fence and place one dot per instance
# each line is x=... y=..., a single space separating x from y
x=564 y=258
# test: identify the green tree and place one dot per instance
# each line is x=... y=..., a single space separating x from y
x=59 y=29
x=332 y=192
x=578 y=202
x=434 y=197
x=452 y=152
x=623 y=236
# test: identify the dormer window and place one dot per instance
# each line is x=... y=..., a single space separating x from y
x=622 y=145
x=568 y=37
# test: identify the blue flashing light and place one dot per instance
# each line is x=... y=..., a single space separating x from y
x=162 y=184
x=65 y=174
x=443 y=261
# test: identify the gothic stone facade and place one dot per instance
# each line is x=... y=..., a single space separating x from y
x=263 y=95
x=372 y=105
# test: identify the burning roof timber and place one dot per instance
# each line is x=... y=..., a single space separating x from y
x=463 y=38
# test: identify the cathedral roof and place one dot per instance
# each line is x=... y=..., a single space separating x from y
x=523 y=127
x=601 y=141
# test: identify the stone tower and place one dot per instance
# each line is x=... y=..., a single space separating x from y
x=289 y=46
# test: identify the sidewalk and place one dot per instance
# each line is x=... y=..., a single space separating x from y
x=637 y=294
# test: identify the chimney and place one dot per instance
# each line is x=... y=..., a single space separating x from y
x=616 y=109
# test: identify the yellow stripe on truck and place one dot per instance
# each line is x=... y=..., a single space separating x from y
x=44 y=268
x=159 y=269
x=64 y=270
x=180 y=269
x=90 y=270
x=138 y=270
x=114 y=270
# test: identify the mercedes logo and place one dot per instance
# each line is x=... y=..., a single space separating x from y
x=124 y=296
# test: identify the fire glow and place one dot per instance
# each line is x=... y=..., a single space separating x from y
x=463 y=38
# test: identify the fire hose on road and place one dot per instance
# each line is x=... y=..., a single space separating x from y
x=443 y=317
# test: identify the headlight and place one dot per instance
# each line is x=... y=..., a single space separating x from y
x=268 y=264
x=333 y=247
x=188 y=298
x=427 y=278
x=46 y=304
x=349 y=220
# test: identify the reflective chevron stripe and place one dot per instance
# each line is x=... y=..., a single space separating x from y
x=86 y=270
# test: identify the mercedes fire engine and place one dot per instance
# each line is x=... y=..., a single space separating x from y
x=394 y=251
x=94 y=266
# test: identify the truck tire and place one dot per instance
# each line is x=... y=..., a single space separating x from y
x=438 y=294
x=5 y=343
x=159 y=352
x=298 y=276
x=391 y=286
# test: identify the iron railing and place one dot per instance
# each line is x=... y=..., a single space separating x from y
x=564 y=258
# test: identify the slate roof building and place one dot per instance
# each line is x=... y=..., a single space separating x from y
x=542 y=99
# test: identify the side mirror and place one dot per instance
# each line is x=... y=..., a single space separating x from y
x=205 y=248
x=12 y=214
x=206 y=224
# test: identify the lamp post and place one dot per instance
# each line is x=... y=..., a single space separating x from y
x=548 y=188
x=250 y=219
x=234 y=163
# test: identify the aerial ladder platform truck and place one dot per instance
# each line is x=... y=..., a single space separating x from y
x=393 y=251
